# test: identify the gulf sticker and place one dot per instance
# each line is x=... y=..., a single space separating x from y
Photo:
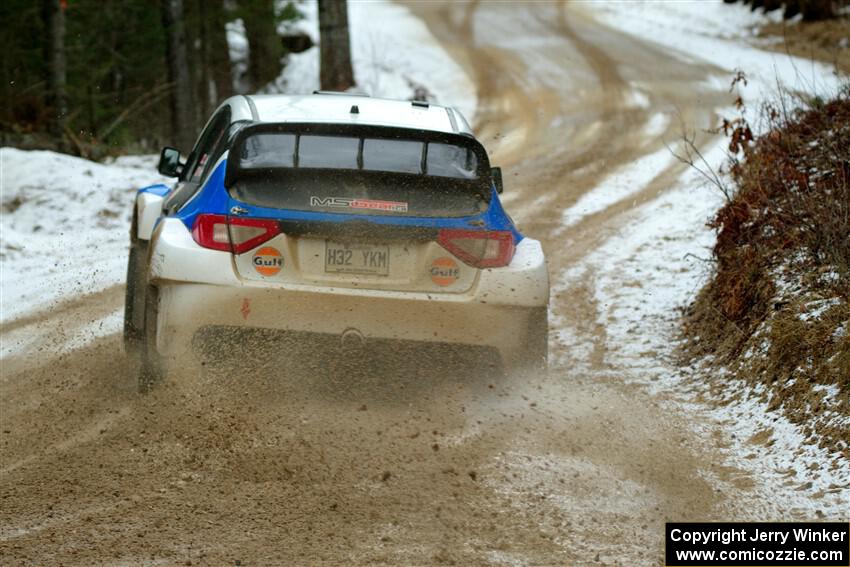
x=267 y=261
x=444 y=271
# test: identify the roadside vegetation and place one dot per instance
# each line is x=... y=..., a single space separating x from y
x=810 y=29
x=808 y=10
x=825 y=40
x=776 y=312
x=87 y=76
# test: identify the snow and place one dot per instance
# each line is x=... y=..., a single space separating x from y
x=637 y=98
x=656 y=126
x=393 y=55
x=622 y=184
x=237 y=44
x=653 y=267
x=709 y=31
x=64 y=229
x=816 y=309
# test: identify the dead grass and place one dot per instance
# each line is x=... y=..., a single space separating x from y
x=777 y=312
x=827 y=40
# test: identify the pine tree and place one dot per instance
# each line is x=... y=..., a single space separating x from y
x=54 y=55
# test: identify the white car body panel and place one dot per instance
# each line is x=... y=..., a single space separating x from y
x=201 y=287
x=148 y=210
x=176 y=256
x=336 y=109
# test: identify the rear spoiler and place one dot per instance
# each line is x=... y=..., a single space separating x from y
x=354 y=131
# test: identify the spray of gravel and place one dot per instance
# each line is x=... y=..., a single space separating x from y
x=279 y=450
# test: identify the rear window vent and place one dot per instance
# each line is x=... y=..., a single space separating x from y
x=341 y=93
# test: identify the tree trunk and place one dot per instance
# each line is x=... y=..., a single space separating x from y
x=335 y=47
x=771 y=5
x=792 y=8
x=197 y=40
x=814 y=10
x=222 y=73
x=54 y=23
x=264 y=47
x=183 y=123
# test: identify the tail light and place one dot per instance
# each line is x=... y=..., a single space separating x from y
x=479 y=248
x=233 y=234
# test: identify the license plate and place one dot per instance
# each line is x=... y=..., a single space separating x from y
x=355 y=258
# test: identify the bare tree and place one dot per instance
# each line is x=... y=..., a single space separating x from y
x=183 y=123
x=335 y=49
x=53 y=13
x=814 y=10
x=222 y=73
x=264 y=47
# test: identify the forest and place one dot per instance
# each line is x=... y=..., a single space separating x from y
x=807 y=10
x=99 y=77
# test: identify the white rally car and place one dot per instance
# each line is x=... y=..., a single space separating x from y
x=333 y=215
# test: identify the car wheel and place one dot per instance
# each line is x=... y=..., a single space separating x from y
x=134 y=297
x=538 y=341
x=150 y=368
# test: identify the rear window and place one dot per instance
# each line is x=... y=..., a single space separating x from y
x=359 y=175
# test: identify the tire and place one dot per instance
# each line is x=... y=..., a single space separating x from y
x=151 y=367
x=537 y=358
x=134 y=297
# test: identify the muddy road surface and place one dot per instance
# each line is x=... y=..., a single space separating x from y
x=318 y=463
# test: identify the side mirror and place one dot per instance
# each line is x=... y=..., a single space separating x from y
x=496 y=174
x=169 y=162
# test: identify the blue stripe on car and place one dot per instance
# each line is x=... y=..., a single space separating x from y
x=213 y=198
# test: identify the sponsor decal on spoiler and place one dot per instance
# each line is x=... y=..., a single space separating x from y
x=444 y=271
x=368 y=204
x=267 y=261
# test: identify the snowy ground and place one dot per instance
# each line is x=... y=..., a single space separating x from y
x=65 y=223
x=721 y=34
x=643 y=276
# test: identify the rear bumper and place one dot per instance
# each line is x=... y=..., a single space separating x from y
x=186 y=308
x=201 y=288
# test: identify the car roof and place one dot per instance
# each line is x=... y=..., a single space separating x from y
x=347 y=108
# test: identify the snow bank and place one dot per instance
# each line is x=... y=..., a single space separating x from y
x=65 y=226
x=643 y=277
x=721 y=34
x=652 y=268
